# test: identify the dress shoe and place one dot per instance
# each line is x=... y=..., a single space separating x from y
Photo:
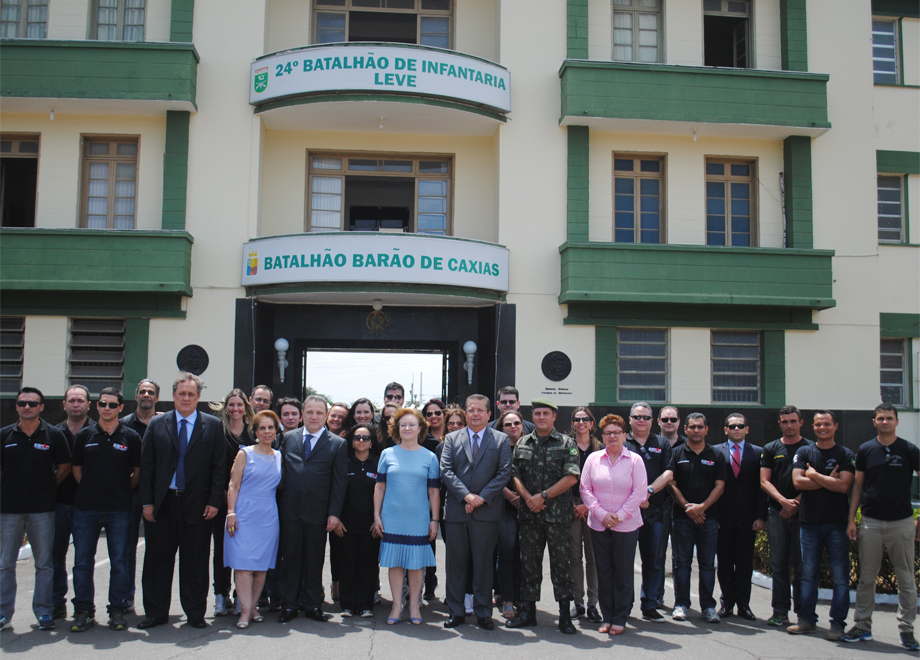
x=725 y=611
x=455 y=621
x=317 y=615
x=745 y=613
x=486 y=623
x=197 y=623
x=287 y=615
x=152 y=622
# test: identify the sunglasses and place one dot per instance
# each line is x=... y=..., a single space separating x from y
x=362 y=438
x=582 y=420
x=28 y=404
x=512 y=424
x=669 y=420
x=392 y=397
x=111 y=405
x=507 y=402
x=735 y=427
x=433 y=413
x=644 y=418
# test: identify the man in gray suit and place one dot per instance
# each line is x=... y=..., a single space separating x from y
x=309 y=507
x=475 y=468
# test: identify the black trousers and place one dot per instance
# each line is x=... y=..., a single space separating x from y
x=301 y=554
x=169 y=534
x=335 y=557
x=735 y=549
x=358 y=580
x=470 y=556
x=615 y=555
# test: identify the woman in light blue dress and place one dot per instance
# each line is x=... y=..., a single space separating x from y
x=406 y=506
x=251 y=540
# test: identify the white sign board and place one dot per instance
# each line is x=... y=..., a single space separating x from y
x=364 y=257
x=376 y=68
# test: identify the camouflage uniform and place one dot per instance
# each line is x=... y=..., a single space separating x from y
x=540 y=463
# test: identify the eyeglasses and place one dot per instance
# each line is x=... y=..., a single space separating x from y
x=582 y=420
x=507 y=402
x=362 y=438
x=735 y=427
x=392 y=397
x=887 y=455
x=612 y=434
x=433 y=413
x=28 y=404
x=644 y=418
x=506 y=424
x=111 y=405
x=669 y=420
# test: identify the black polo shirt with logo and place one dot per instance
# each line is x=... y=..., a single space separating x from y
x=27 y=468
x=658 y=457
x=888 y=474
x=777 y=456
x=695 y=475
x=107 y=462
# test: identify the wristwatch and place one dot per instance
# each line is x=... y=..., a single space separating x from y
x=651 y=490
x=545 y=495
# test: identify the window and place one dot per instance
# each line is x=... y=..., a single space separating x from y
x=119 y=20
x=894 y=371
x=885 y=52
x=18 y=180
x=24 y=19
x=395 y=193
x=109 y=183
x=637 y=199
x=636 y=30
x=735 y=367
x=12 y=341
x=890 y=209
x=726 y=33
x=642 y=364
x=729 y=203
x=97 y=353
x=425 y=22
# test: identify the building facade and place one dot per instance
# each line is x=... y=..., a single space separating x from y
x=712 y=203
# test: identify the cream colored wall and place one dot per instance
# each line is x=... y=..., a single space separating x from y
x=159 y=13
x=68 y=19
x=896 y=113
x=690 y=366
x=600 y=30
x=683 y=32
x=44 y=363
x=284 y=175
x=910 y=47
x=289 y=24
x=899 y=279
x=766 y=33
x=59 y=164
x=476 y=28
x=685 y=182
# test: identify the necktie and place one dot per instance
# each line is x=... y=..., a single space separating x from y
x=736 y=460
x=183 y=447
x=475 y=445
x=307 y=446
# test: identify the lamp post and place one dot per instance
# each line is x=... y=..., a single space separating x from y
x=470 y=349
x=282 y=346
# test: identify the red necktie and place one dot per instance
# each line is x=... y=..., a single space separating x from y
x=736 y=460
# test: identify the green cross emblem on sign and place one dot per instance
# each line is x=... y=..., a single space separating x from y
x=261 y=80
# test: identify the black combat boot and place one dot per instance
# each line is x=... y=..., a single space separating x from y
x=527 y=618
x=565 y=618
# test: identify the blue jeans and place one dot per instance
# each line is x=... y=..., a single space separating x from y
x=785 y=552
x=649 y=542
x=688 y=534
x=86 y=528
x=40 y=528
x=815 y=538
x=63 y=529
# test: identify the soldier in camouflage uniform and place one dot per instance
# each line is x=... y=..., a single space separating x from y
x=544 y=468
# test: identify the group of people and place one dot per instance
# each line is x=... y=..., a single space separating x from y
x=271 y=489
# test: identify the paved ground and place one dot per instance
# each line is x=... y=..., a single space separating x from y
x=373 y=639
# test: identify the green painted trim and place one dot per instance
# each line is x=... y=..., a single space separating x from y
x=798 y=187
x=390 y=97
x=139 y=71
x=376 y=287
x=897 y=326
x=175 y=171
x=112 y=305
x=605 y=364
x=577 y=29
x=897 y=162
x=578 y=168
x=181 y=20
x=906 y=211
x=896 y=8
x=364 y=45
x=901 y=48
x=95 y=260
x=774 y=368
x=322 y=236
x=907 y=245
x=696 y=275
x=793 y=35
x=137 y=341
x=729 y=317
x=899 y=85
x=909 y=380
x=670 y=92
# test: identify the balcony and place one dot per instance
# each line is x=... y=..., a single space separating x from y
x=369 y=87
x=695 y=285
x=111 y=272
x=97 y=77
x=678 y=100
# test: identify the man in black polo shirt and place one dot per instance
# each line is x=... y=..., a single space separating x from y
x=76 y=407
x=783 y=514
x=656 y=454
x=699 y=479
x=669 y=425
x=106 y=464
x=34 y=459
x=885 y=466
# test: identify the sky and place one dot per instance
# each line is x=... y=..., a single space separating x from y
x=348 y=376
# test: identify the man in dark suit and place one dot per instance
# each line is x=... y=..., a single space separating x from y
x=742 y=513
x=183 y=479
x=309 y=506
x=475 y=468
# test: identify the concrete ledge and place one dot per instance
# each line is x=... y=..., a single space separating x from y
x=762 y=580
